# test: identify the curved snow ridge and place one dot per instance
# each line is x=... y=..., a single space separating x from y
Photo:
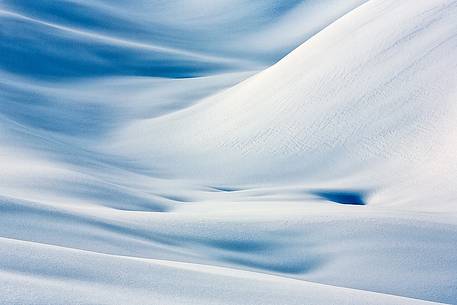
x=108 y=55
x=75 y=277
x=336 y=165
x=141 y=39
x=372 y=93
x=371 y=248
x=110 y=40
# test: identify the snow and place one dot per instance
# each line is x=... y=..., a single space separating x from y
x=80 y=277
x=159 y=153
x=345 y=105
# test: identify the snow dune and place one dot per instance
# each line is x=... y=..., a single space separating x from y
x=360 y=100
x=326 y=178
x=176 y=38
x=75 y=277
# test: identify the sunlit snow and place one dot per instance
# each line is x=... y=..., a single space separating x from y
x=228 y=152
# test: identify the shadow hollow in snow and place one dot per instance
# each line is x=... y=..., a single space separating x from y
x=226 y=189
x=287 y=266
x=341 y=196
x=247 y=246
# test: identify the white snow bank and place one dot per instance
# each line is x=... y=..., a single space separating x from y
x=367 y=103
x=80 y=277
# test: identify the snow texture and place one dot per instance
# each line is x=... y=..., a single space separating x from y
x=228 y=152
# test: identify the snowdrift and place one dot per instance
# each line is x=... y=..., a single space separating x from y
x=326 y=178
x=367 y=103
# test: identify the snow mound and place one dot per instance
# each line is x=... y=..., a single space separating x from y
x=371 y=95
x=328 y=178
x=81 y=277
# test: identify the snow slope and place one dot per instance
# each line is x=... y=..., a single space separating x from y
x=361 y=98
x=176 y=38
x=75 y=277
x=326 y=178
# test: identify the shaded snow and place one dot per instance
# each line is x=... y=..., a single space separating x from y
x=154 y=152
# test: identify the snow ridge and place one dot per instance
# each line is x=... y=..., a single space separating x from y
x=161 y=152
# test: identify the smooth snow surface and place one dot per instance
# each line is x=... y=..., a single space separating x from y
x=162 y=152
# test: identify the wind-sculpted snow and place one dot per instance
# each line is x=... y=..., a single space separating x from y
x=359 y=101
x=155 y=38
x=162 y=152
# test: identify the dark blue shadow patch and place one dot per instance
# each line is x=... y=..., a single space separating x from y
x=342 y=197
x=226 y=189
